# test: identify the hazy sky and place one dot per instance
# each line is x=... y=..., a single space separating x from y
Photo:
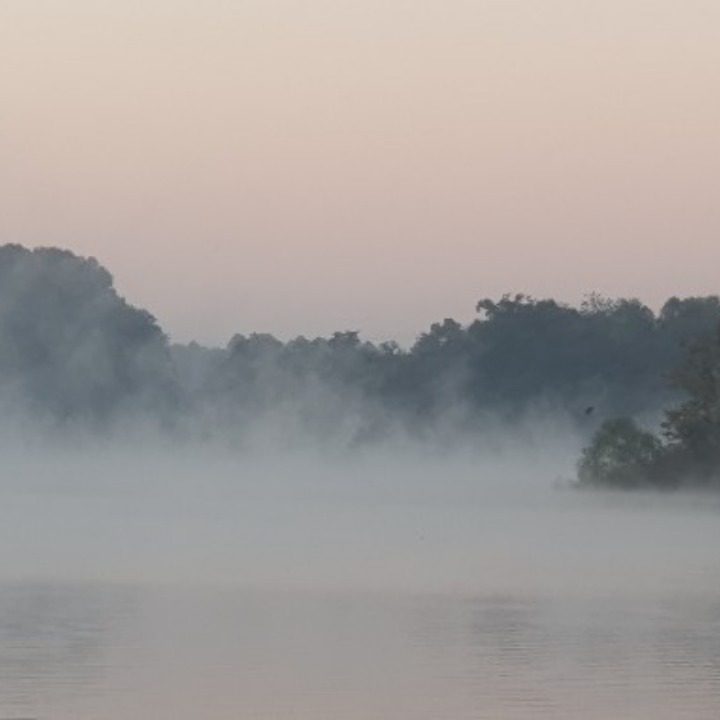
x=303 y=166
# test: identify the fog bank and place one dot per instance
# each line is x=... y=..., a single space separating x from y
x=389 y=518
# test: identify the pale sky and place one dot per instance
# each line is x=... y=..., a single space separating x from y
x=300 y=167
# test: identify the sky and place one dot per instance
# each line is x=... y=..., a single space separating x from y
x=300 y=167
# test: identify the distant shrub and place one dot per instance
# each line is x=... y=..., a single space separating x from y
x=622 y=455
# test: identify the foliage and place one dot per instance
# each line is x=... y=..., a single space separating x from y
x=72 y=349
x=621 y=455
x=693 y=428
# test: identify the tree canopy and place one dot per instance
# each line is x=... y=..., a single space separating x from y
x=70 y=347
x=73 y=350
x=688 y=453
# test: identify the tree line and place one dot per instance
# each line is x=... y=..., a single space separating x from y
x=73 y=351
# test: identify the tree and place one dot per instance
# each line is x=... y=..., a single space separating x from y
x=621 y=455
x=693 y=429
x=70 y=347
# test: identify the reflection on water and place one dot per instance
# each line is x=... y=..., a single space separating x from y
x=96 y=652
x=53 y=641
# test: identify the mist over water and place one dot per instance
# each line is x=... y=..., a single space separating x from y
x=344 y=520
x=152 y=578
x=329 y=528
x=500 y=516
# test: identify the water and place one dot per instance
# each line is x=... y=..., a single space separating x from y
x=177 y=589
x=104 y=652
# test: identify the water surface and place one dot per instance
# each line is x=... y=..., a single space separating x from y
x=181 y=588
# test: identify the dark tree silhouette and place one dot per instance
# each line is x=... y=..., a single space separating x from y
x=622 y=455
x=70 y=347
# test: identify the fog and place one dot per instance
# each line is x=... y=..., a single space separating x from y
x=499 y=516
x=329 y=528
x=334 y=463
x=150 y=577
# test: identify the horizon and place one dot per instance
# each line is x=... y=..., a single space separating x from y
x=399 y=339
